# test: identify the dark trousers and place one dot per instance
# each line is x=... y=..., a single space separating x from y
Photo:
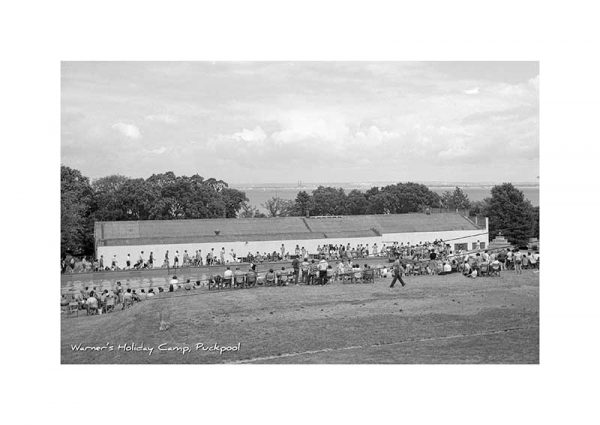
x=296 y=275
x=397 y=276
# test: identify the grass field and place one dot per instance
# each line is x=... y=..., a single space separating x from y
x=434 y=319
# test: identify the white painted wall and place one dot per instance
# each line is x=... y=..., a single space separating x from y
x=242 y=248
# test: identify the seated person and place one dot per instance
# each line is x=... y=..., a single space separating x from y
x=239 y=277
x=495 y=266
x=188 y=285
x=467 y=268
x=446 y=268
x=127 y=297
x=270 y=277
x=228 y=276
x=135 y=296
x=473 y=273
x=173 y=284
x=357 y=272
x=150 y=293
x=282 y=277
x=91 y=303
x=251 y=277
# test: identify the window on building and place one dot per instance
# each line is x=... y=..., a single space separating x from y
x=475 y=245
x=461 y=247
x=482 y=245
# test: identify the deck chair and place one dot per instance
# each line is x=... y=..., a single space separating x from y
x=250 y=280
x=369 y=276
x=240 y=281
x=214 y=282
x=484 y=269
x=226 y=282
x=283 y=279
x=109 y=304
x=92 y=310
x=495 y=270
x=345 y=277
x=127 y=302
x=73 y=308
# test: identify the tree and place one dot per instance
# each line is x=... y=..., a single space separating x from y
x=511 y=214
x=278 y=207
x=328 y=201
x=303 y=204
x=480 y=208
x=456 y=199
x=401 y=198
x=233 y=200
x=356 y=203
x=76 y=226
x=250 y=211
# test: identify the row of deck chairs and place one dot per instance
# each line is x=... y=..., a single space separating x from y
x=217 y=282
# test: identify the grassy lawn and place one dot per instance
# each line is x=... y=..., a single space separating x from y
x=434 y=319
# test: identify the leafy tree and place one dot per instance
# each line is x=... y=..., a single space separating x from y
x=356 y=203
x=233 y=200
x=76 y=226
x=279 y=207
x=303 y=203
x=328 y=201
x=456 y=199
x=401 y=198
x=511 y=214
x=480 y=208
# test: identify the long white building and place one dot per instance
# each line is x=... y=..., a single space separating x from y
x=267 y=234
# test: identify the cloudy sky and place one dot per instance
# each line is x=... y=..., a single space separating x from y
x=311 y=121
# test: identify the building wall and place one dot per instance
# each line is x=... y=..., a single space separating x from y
x=242 y=248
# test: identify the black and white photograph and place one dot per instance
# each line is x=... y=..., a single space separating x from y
x=300 y=212
x=312 y=212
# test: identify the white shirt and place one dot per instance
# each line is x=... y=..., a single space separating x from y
x=322 y=265
x=228 y=274
x=447 y=267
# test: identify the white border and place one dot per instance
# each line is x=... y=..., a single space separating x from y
x=37 y=35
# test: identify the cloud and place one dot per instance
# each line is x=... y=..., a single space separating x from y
x=128 y=130
x=301 y=125
x=474 y=90
x=162 y=118
x=158 y=151
x=253 y=136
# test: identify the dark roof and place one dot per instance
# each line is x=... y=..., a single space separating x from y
x=277 y=228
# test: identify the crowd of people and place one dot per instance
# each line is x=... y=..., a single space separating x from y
x=71 y=264
x=435 y=257
x=432 y=258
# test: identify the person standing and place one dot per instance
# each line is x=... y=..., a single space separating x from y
x=222 y=255
x=282 y=251
x=176 y=260
x=518 y=259
x=305 y=268
x=296 y=267
x=398 y=269
x=322 y=271
x=166 y=263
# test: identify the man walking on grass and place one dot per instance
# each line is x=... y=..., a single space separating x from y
x=398 y=269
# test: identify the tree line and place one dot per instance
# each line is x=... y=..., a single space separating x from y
x=159 y=197
x=167 y=196
x=508 y=211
